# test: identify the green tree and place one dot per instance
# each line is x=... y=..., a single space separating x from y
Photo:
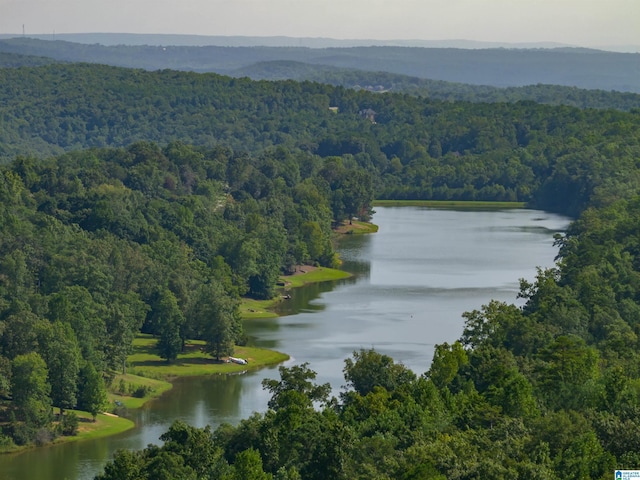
x=20 y=335
x=76 y=306
x=299 y=379
x=567 y=373
x=123 y=319
x=357 y=193
x=161 y=464
x=92 y=396
x=248 y=466
x=5 y=376
x=368 y=369
x=126 y=465
x=447 y=361
x=168 y=321
x=197 y=448
x=217 y=321
x=30 y=389
x=62 y=355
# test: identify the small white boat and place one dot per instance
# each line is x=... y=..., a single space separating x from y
x=239 y=361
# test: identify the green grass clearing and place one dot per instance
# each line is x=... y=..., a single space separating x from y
x=252 y=309
x=314 y=275
x=145 y=362
x=151 y=386
x=356 y=227
x=104 y=426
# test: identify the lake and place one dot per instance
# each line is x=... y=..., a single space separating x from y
x=411 y=282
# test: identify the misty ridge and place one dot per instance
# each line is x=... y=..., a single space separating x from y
x=496 y=67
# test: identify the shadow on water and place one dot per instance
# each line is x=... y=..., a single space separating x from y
x=354 y=251
x=352 y=248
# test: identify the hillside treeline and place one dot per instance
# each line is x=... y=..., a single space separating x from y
x=99 y=245
x=414 y=148
x=382 y=82
x=550 y=390
x=180 y=192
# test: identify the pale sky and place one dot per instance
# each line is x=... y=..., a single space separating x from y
x=574 y=22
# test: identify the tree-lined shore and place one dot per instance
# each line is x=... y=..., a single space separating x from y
x=135 y=202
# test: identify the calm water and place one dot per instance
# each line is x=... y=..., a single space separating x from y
x=412 y=280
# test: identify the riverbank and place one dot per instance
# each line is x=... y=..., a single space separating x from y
x=447 y=204
x=105 y=425
x=356 y=227
x=194 y=361
x=149 y=376
x=251 y=309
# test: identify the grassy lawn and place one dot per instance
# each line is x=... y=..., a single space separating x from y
x=146 y=363
x=314 y=275
x=104 y=426
x=356 y=227
x=446 y=204
x=152 y=388
x=251 y=309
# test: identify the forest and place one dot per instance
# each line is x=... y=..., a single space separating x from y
x=383 y=82
x=414 y=148
x=100 y=245
x=136 y=201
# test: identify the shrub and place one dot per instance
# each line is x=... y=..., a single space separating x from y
x=141 y=391
x=70 y=424
x=43 y=436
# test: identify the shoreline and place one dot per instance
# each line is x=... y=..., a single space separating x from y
x=148 y=373
x=106 y=425
x=251 y=309
x=448 y=204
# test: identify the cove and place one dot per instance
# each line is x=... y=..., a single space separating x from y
x=411 y=282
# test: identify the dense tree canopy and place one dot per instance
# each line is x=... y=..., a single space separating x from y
x=199 y=189
x=100 y=245
x=407 y=147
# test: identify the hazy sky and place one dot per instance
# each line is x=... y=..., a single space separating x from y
x=576 y=22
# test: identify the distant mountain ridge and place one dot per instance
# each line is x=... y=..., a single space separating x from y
x=583 y=68
x=437 y=89
x=113 y=39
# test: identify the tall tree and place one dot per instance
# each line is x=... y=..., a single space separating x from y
x=92 y=392
x=218 y=322
x=125 y=315
x=368 y=369
x=168 y=321
x=298 y=379
x=30 y=389
x=248 y=466
x=62 y=355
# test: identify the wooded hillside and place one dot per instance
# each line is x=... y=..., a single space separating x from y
x=170 y=194
x=413 y=148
